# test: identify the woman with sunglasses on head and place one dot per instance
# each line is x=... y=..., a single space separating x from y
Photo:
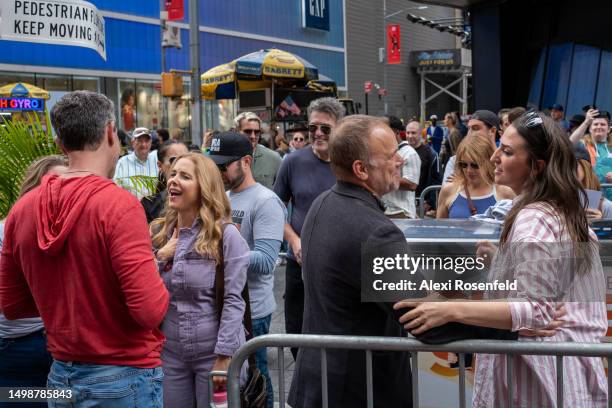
x=472 y=190
x=195 y=234
x=167 y=153
x=544 y=235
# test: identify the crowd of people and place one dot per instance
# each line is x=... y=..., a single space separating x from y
x=131 y=294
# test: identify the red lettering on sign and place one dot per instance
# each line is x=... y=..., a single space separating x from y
x=3 y=103
x=13 y=103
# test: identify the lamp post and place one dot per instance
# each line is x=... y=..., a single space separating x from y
x=194 y=56
x=383 y=53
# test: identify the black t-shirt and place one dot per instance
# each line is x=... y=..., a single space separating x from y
x=302 y=177
x=429 y=167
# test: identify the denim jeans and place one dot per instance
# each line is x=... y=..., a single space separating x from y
x=107 y=386
x=261 y=327
x=24 y=362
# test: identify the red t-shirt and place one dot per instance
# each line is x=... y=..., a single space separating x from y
x=78 y=251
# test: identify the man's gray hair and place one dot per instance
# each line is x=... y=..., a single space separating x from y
x=249 y=116
x=328 y=105
x=80 y=118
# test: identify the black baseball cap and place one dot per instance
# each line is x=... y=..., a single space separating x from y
x=229 y=146
x=487 y=117
x=577 y=119
x=557 y=107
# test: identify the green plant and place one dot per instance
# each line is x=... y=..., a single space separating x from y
x=21 y=143
x=142 y=186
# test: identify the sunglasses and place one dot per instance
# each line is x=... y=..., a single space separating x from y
x=533 y=119
x=255 y=132
x=223 y=167
x=298 y=139
x=326 y=129
x=465 y=165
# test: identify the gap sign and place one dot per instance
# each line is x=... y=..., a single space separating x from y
x=22 y=104
x=315 y=14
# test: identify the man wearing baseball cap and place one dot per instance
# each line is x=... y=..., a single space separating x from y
x=260 y=216
x=557 y=113
x=483 y=123
x=140 y=162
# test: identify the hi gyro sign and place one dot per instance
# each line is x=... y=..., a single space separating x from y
x=64 y=22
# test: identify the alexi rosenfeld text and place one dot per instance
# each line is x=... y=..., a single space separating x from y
x=411 y=264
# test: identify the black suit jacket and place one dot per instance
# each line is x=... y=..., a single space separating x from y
x=340 y=222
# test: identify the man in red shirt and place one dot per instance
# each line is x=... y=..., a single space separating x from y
x=77 y=253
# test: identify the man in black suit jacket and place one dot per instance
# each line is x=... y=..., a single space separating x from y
x=341 y=222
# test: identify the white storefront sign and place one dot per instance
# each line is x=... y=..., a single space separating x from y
x=64 y=22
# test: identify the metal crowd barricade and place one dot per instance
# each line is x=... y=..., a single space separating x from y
x=426 y=191
x=369 y=344
x=437 y=188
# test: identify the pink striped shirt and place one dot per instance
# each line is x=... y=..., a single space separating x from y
x=534 y=384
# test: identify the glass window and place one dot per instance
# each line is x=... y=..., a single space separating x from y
x=127 y=104
x=56 y=85
x=219 y=114
x=60 y=83
x=179 y=115
x=85 y=84
x=12 y=77
x=149 y=104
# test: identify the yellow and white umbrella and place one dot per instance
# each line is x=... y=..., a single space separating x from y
x=255 y=70
x=22 y=90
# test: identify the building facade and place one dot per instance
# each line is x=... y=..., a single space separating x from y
x=130 y=76
x=537 y=53
x=366 y=29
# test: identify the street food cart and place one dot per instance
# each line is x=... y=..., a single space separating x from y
x=275 y=84
x=19 y=99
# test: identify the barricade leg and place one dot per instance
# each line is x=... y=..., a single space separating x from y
x=369 y=385
x=414 y=364
x=281 y=377
x=462 y=380
x=559 y=381
x=324 y=378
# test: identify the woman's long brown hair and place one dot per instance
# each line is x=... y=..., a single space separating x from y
x=590 y=181
x=557 y=184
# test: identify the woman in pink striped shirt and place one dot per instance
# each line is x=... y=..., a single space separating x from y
x=545 y=229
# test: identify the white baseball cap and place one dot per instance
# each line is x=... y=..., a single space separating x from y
x=141 y=131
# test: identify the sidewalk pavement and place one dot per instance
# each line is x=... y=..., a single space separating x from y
x=276 y=327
